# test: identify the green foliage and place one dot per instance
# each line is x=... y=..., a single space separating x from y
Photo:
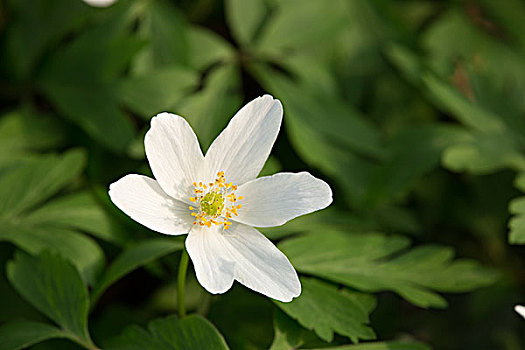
x=22 y=334
x=54 y=287
x=364 y=261
x=326 y=310
x=193 y=332
x=412 y=111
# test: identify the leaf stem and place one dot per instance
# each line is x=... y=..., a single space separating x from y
x=181 y=283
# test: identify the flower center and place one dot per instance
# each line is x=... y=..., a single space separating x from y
x=214 y=202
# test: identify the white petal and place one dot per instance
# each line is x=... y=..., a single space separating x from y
x=174 y=154
x=243 y=147
x=142 y=199
x=244 y=254
x=100 y=3
x=273 y=200
x=520 y=310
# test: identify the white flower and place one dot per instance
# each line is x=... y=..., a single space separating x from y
x=99 y=3
x=520 y=310
x=217 y=199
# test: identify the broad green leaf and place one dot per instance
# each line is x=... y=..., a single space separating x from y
x=79 y=211
x=33 y=28
x=517 y=222
x=304 y=105
x=208 y=48
x=192 y=332
x=94 y=108
x=209 y=109
x=83 y=252
x=158 y=91
x=24 y=131
x=319 y=24
x=22 y=334
x=79 y=80
x=288 y=333
x=133 y=257
x=374 y=262
x=27 y=184
x=469 y=113
x=244 y=18
x=484 y=153
x=325 y=309
x=166 y=31
x=53 y=286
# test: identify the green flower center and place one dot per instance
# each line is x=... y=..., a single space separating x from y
x=212 y=204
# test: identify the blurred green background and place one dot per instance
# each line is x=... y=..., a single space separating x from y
x=413 y=111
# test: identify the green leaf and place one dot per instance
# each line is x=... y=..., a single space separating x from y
x=244 y=18
x=79 y=80
x=374 y=262
x=38 y=17
x=22 y=334
x=319 y=24
x=29 y=183
x=470 y=114
x=23 y=132
x=209 y=109
x=53 y=286
x=157 y=91
x=307 y=106
x=208 y=48
x=25 y=186
x=135 y=256
x=192 y=332
x=166 y=32
x=325 y=309
x=79 y=211
x=517 y=222
x=484 y=153
x=288 y=333
x=94 y=108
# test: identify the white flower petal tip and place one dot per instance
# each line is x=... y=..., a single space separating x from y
x=274 y=200
x=520 y=310
x=142 y=199
x=100 y=3
x=241 y=253
x=243 y=146
x=174 y=154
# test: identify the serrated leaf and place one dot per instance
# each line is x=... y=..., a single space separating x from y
x=22 y=334
x=244 y=18
x=325 y=309
x=133 y=257
x=208 y=48
x=53 y=286
x=170 y=333
x=374 y=262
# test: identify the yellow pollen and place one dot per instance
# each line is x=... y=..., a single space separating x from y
x=215 y=202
